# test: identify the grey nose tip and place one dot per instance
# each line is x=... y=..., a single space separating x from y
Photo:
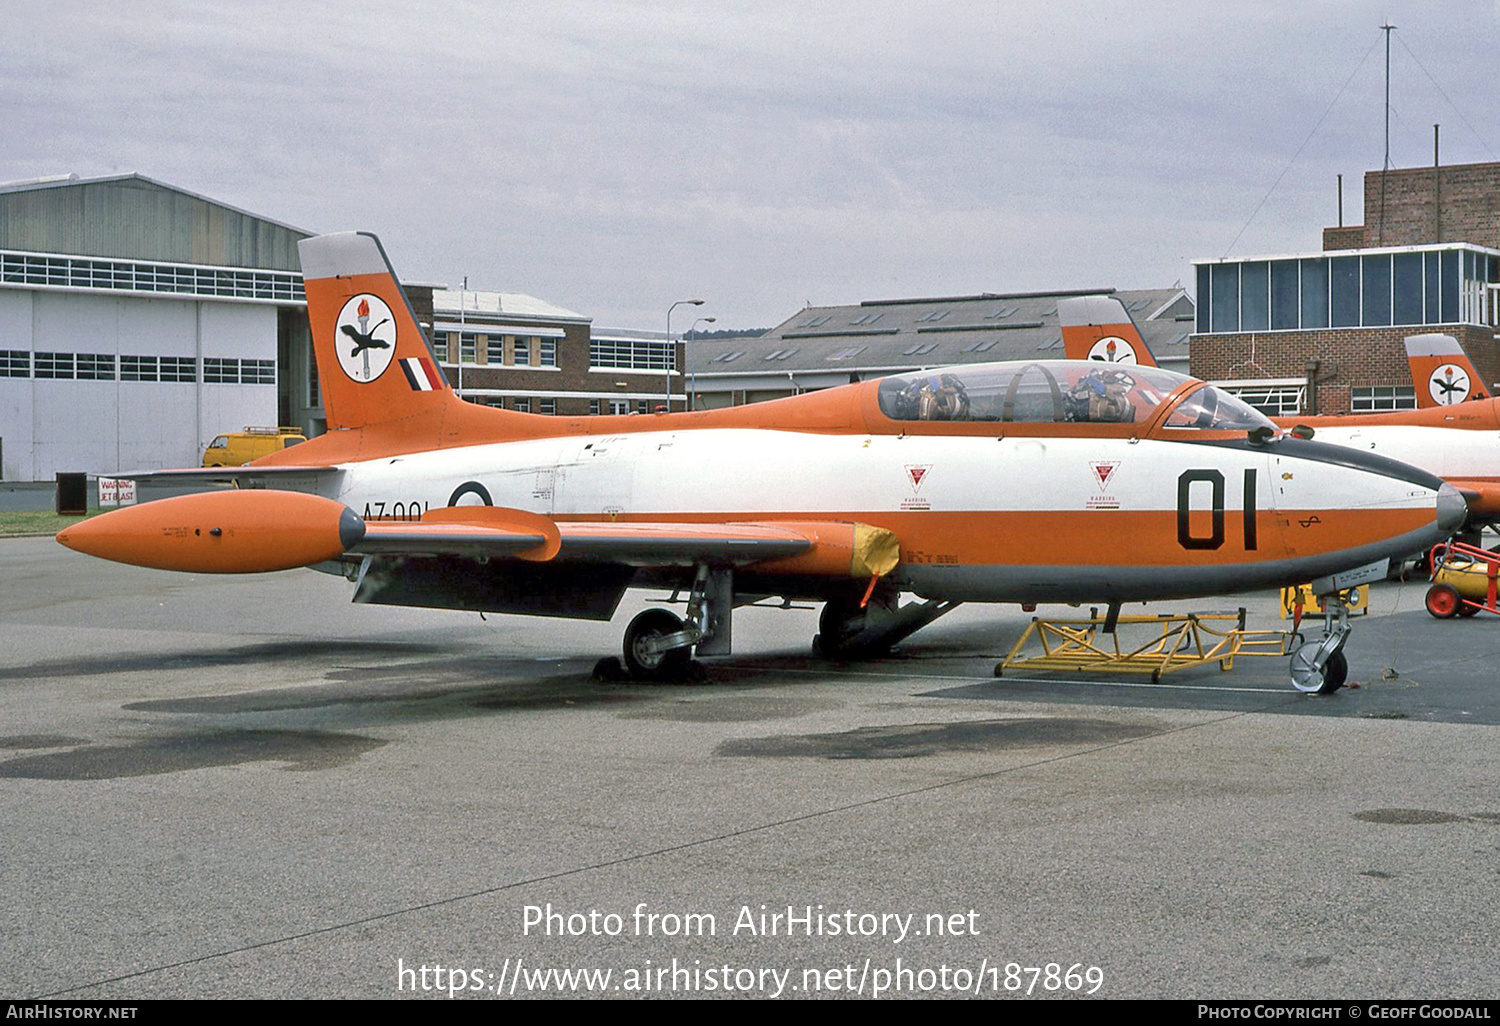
x=1452 y=510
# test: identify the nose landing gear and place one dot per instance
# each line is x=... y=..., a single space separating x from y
x=1319 y=667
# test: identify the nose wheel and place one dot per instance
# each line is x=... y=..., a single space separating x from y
x=1320 y=667
x=1310 y=678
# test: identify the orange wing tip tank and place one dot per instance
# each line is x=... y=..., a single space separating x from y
x=237 y=532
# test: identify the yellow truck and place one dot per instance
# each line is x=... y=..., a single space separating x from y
x=241 y=447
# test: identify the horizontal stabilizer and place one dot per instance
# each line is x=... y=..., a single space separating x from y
x=248 y=476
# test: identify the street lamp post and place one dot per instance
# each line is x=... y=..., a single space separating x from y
x=671 y=349
x=692 y=397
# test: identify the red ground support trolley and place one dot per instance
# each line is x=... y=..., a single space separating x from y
x=1463 y=580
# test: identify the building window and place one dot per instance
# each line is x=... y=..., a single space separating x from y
x=1224 y=285
x=440 y=345
x=548 y=347
x=1406 y=288
x=220 y=371
x=181 y=368
x=15 y=363
x=1284 y=294
x=494 y=350
x=522 y=351
x=257 y=372
x=96 y=367
x=593 y=407
x=619 y=406
x=138 y=368
x=1382 y=398
x=1274 y=399
x=1314 y=275
x=54 y=365
x=468 y=347
x=633 y=355
x=523 y=405
x=1376 y=274
x=547 y=407
x=137 y=276
x=848 y=352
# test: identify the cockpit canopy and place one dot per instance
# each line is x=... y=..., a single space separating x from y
x=1061 y=392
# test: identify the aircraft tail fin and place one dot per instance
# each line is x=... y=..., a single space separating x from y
x=1100 y=328
x=375 y=364
x=1442 y=372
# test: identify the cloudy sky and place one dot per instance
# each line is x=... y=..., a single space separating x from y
x=613 y=157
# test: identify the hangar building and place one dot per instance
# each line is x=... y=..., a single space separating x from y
x=137 y=321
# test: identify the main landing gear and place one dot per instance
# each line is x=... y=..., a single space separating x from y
x=659 y=645
x=852 y=628
x=1319 y=667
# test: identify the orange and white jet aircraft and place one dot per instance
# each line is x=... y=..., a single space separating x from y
x=1049 y=481
x=1454 y=433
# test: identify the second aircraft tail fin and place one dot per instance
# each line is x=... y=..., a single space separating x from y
x=1100 y=328
x=1442 y=372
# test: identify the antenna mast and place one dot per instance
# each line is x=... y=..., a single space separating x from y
x=1387 y=28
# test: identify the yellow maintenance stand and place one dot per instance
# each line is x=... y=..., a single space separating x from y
x=1155 y=645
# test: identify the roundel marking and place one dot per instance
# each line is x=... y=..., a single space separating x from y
x=365 y=337
x=475 y=489
x=1448 y=385
x=1112 y=349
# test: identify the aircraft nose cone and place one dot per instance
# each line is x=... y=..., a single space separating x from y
x=1452 y=510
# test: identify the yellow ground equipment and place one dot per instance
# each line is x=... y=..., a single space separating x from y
x=1357 y=600
x=1155 y=645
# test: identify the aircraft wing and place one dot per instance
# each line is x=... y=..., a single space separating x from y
x=849 y=549
x=581 y=569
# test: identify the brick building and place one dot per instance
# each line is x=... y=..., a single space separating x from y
x=517 y=352
x=1324 y=332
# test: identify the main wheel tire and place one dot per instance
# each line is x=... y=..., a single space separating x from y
x=644 y=665
x=1443 y=601
x=1335 y=673
x=838 y=623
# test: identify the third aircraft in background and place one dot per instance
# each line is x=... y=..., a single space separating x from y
x=1454 y=433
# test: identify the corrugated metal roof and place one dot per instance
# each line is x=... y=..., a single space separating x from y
x=134 y=217
x=884 y=336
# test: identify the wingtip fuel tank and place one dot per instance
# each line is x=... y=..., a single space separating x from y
x=230 y=532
